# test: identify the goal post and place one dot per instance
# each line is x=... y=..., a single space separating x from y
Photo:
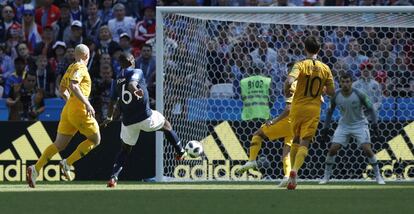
x=203 y=52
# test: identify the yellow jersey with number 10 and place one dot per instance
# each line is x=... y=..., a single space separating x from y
x=311 y=76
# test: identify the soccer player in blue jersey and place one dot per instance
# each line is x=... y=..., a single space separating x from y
x=353 y=123
x=129 y=90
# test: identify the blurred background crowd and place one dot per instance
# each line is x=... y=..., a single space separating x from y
x=37 y=40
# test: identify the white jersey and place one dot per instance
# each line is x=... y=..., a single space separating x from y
x=351 y=107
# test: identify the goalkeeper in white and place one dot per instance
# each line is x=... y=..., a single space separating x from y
x=353 y=123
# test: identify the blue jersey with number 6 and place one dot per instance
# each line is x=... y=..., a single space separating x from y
x=133 y=110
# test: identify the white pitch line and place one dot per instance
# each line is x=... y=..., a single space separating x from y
x=160 y=187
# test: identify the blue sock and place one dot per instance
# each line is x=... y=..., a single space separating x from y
x=120 y=160
x=173 y=139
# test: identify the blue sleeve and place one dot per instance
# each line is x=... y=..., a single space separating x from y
x=137 y=75
x=114 y=94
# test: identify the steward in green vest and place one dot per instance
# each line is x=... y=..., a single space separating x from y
x=255 y=92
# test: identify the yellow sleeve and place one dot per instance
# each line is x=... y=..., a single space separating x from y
x=292 y=89
x=77 y=74
x=295 y=71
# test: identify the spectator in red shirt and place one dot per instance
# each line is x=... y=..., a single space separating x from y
x=14 y=37
x=48 y=14
x=145 y=29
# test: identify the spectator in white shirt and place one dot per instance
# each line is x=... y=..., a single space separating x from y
x=121 y=23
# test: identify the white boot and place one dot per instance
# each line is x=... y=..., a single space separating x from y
x=248 y=165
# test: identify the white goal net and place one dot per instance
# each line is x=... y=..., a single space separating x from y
x=203 y=53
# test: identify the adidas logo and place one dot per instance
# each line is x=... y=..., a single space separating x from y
x=399 y=149
x=218 y=166
x=230 y=143
x=28 y=148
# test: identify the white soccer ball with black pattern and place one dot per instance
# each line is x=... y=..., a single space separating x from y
x=194 y=148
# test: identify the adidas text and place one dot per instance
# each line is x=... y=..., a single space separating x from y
x=210 y=171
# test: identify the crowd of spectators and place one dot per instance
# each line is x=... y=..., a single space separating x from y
x=37 y=45
x=37 y=40
x=381 y=59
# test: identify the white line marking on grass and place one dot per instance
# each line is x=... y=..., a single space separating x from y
x=160 y=187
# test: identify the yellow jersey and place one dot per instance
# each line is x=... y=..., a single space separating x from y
x=78 y=72
x=311 y=76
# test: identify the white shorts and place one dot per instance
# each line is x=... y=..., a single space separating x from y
x=344 y=132
x=130 y=134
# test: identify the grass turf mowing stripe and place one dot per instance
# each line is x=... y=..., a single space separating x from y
x=210 y=201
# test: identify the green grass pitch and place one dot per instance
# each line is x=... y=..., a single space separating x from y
x=213 y=197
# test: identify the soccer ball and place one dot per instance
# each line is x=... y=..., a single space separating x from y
x=194 y=149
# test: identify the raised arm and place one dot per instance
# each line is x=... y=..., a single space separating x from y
x=133 y=84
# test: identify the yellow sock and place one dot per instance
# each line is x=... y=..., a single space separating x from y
x=300 y=157
x=46 y=156
x=83 y=148
x=286 y=165
x=255 y=147
x=293 y=152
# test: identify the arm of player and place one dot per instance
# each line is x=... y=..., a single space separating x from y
x=292 y=76
x=366 y=101
x=74 y=87
x=64 y=93
x=288 y=85
x=133 y=84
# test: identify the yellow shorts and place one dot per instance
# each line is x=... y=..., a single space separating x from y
x=74 y=118
x=304 y=125
x=281 y=129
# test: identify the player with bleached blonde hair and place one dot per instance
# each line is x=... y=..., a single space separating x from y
x=77 y=115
